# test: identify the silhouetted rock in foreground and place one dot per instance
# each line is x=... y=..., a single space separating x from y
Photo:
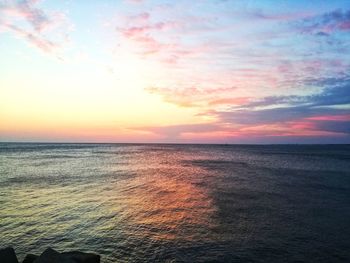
x=78 y=256
x=8 y=255
x=30 y=258
x=50 y=255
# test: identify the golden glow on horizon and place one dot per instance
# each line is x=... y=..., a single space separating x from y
x=87 y=99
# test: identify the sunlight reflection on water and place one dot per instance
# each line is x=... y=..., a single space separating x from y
x=172 y=202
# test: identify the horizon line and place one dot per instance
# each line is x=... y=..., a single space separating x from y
x=168 y=143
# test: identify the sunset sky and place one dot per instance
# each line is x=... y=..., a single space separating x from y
x=175 y=71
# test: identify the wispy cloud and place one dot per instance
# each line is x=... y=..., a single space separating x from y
x=328 y=23
x=292 y=116
x=140 y=31
x=273 y=16
x=40 y=42
x=318 y=112
x=162 y=40
x=25 y=9
x=17 y=15
x=335 y=91
x=196 y=97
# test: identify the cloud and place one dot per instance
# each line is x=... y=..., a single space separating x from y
x=41 y=43
x=25 y=9
x=328 y=23
x=316 y=113
x=165 y=40
x=275 y=115
x=196 y=97
x=16 y=15
x=174 y=131
x=141 y=31
x=263 y=15
x=135 y=32
x=345 y=117
x=336 y=92
x=220 y=132
x=229 y=101
x=334 y=126
x=282 y=78
x=36 y=17
x=296 y=116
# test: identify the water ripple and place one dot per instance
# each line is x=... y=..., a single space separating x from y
x=177 y=203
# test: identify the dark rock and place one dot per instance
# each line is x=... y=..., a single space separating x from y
x=8 y=255
x=30 y=258
x=52 y=256
x=81 y=257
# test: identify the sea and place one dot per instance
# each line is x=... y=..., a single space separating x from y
x=177 y=203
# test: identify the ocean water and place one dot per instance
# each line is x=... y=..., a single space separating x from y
x=178 y=203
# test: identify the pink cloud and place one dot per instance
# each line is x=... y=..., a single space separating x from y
x=344 y=25
x=219 y=131
x=288 y=129
x=330 y=118
x=13 y=13
x=26 y=10
x=317 y=126
x=41 y=43
x=151 y=39
x=230 y=101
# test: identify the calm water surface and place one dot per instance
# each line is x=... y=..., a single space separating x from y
x=178 y=203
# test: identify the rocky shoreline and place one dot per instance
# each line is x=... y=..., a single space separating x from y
x=8 y=255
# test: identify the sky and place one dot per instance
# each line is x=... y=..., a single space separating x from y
x=182 y=71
